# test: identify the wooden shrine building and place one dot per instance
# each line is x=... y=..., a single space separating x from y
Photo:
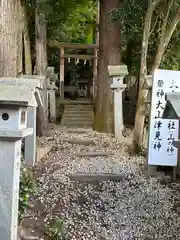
x=86 y=57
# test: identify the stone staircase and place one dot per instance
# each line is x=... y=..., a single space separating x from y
x=78 y=114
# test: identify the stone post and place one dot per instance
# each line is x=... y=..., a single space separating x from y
x=117 y=74
x=52 y=99
x=61 y=74
x=30 y=141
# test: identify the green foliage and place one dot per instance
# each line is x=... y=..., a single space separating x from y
x=58 y=230
x=131 y=15
x=27 y=189
x=71 y=20
x=172 y=55
x=67 y=20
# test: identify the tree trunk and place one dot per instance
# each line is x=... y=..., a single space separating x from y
x=19 y=40
x=26 y=41
x=9 y=30
x=109 y=54
x=41 y=66
x=140 y=109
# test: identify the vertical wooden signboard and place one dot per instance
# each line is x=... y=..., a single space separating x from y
x=163 y=132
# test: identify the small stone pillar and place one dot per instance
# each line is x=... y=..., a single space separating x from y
x=52 y=101
x=13 y=128
x=117 y=74
x=30 y=141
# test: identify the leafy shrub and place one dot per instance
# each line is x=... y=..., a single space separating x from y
x=57 y=231
x=27 y=188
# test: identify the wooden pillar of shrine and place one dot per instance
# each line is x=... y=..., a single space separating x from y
x=61 y=75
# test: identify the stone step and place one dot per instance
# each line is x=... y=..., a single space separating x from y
x=75 y=114
x=95 y=177
x=77 y=118
x=77 y=105
x=93 y=154
x=85 y=142
x=78 y=115
x=75 y=111
x=78 y=109
x=78 y=131
x=76 y=123
x=73 y=102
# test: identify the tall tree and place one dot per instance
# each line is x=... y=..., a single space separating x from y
x=109 y=54
x=26 y=40
x=10 y=31
x=41 y=65
x=19 y=38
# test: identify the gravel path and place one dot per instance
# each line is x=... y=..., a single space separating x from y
x=128 y=209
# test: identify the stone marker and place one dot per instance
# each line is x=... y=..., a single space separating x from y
x=117 y=74
x=93 y=154
x=13 y=127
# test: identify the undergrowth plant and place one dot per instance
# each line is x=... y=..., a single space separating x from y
x=57 y=231
x=27 y=189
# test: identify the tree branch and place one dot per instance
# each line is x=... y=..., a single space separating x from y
x=142 y=94
x=145 y=40
x=155 y=22
x=156 y=2
x=165 y=21
x=165 y=39
x=172 y=26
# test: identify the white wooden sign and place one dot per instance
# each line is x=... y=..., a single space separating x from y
x=163 y=132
